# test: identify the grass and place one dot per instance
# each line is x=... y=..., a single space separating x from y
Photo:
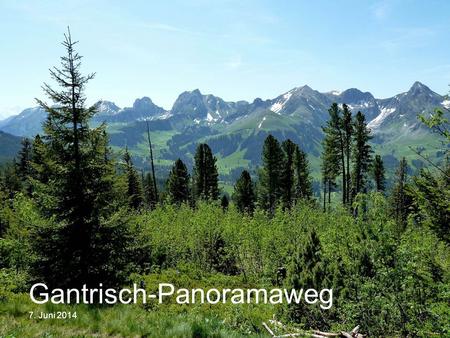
x=140 y=320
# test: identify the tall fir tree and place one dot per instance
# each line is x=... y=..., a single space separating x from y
x=75 y=186
x=348 y=130
x=306 y=270
x=134 y=187
x=378 y=173
x=178 y=183
x=23 y=165
x=361 y=154
x=206 y=183
x=287 y=175
x=150 y=198
x=399 y=197
x=270 y=175
x=336 y=146
x=303 y=186
x=39 y=171
x=244 y=193
x=331 y=164
x=224 y=202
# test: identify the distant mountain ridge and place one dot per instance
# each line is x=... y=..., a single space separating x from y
x=193 y=107
x=236 y=130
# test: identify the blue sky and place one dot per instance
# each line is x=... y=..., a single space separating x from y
x=235 y=49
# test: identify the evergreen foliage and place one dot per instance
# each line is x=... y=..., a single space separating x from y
x=244 y=194
x=361 y=154
x=178 y=183
x=150 y=197
x=335 y=149
x=134 y=187
x=270 y=175
x=205 y=177
x=74 y=187
x=287 y=175
x=224 y=202
x=378 y=173
x=348 y=131
x=399 y=196
x=303 y=182
x=23 y=166
x=307 y=270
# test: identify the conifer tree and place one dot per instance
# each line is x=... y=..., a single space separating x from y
x=399 y=197
x=378 y=173
x=74 y=188
x=10 y=181
x=335 y=141
x=303 y=185
x=206 y=184
x=23 y=166
x=39 y=171
x=361 y=154
x=347 y=127
x=224 y=202
x=24 y=161
x=270 y=175
x=150 y=197
x=178 y=183
x=244 y=194
x=134 y=188
x=306 y=270
x=287 y=175
x=331 y=164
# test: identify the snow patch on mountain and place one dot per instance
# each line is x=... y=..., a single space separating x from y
x=376 y=122
x=279 y=104
x=446 y=103
x=260 y=124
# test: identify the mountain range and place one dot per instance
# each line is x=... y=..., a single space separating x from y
x=236 y=130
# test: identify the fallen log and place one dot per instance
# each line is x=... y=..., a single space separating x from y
x=314 y=334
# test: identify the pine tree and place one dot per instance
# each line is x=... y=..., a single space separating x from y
x=178 y=183
x=331 y=164
x=39 y=171
x=134 y=188
x=23 y=166
x=378 y=173
x=335 y=141
x=150 y=197
x=74 y=188
x=24 y=161
x=347 y=127
x=399 y=198
x=270 y=174
x=431 y=194
x=224 y=202
x=361 y=154
x=244 y=194
x=10 y=182
x=206 y=183
x=306 y=270
x=287 y=175
x=303 y=186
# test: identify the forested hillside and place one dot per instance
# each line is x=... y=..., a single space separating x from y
x=73 y=213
